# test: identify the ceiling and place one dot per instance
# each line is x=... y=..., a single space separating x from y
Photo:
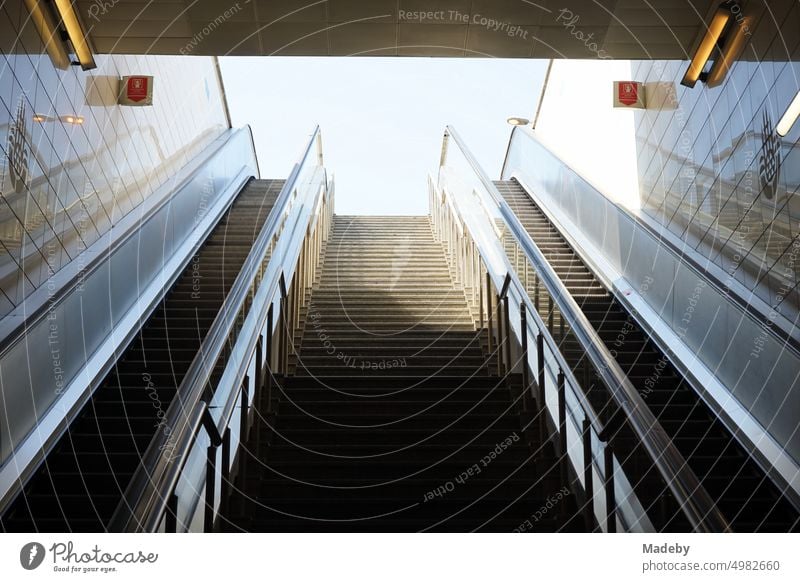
x=624 y=29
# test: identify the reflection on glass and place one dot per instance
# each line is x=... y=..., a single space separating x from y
x=729 y=187
x=72 y=162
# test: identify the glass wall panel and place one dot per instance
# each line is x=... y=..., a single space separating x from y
x=714 y=171
x=72 y=161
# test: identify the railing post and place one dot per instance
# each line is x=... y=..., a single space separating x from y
x=562 y=426
x=289 y=324
x=268 y=358
x=466 y=262
x=476 y=274
x=540 y=364
x=611 y=503
x=588 y=476
x=472 y=277
x=462 y=251
x=211 y=480
x=507 y=339
x=171 y=523
x=451 y=243
x=480 y=298
x=460 y=261
x=500 y=343
x=259 y=371
x=523 y=321
x=280 y=336
x=663 y=506
x=542 y=394
x=307 y=264
x=489 y=311
x=295 y=312
x=225 y=481
x=244 y=416
x=282 y=321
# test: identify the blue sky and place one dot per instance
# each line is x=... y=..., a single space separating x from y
x=382 y=119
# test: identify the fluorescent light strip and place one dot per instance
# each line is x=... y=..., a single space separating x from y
x=43 y=22
x=734 y=44
x=703 y=53
x=789 y=118
x=76 y=34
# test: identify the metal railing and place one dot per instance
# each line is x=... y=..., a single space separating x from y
x=186 y=473
x=466 y=211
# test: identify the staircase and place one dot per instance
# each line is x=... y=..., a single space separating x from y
x=393 y=420
x=744 y=494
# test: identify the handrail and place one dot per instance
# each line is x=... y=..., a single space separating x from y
x=694 y=501
x=488 y=212
x=743 y=304
x=272 y=287
x=511 y=280
x=451 y=228
x=151 y=487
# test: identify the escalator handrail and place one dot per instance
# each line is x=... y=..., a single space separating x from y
x=231 y=399
x=147 y=495
x=696 y=263
x=507 y=278
x=535 y=321
x=695 y=502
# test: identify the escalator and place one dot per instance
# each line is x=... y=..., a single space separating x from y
x=82 y=480
x=744 y=494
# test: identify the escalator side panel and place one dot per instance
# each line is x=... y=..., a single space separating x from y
x=82 y=480
x=745 y=495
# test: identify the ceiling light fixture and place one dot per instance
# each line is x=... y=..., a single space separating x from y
x=789 y=118
x=721 y=18
x=76 y=33
x=731 y=48
x=518 y=121
x=43 y=22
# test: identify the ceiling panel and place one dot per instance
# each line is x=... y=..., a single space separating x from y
x=637 y=29
x=432 y=40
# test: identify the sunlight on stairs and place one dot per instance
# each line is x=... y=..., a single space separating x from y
x=394 y=419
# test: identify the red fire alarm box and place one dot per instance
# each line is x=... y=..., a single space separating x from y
x=629 y=94
x=136 y=90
